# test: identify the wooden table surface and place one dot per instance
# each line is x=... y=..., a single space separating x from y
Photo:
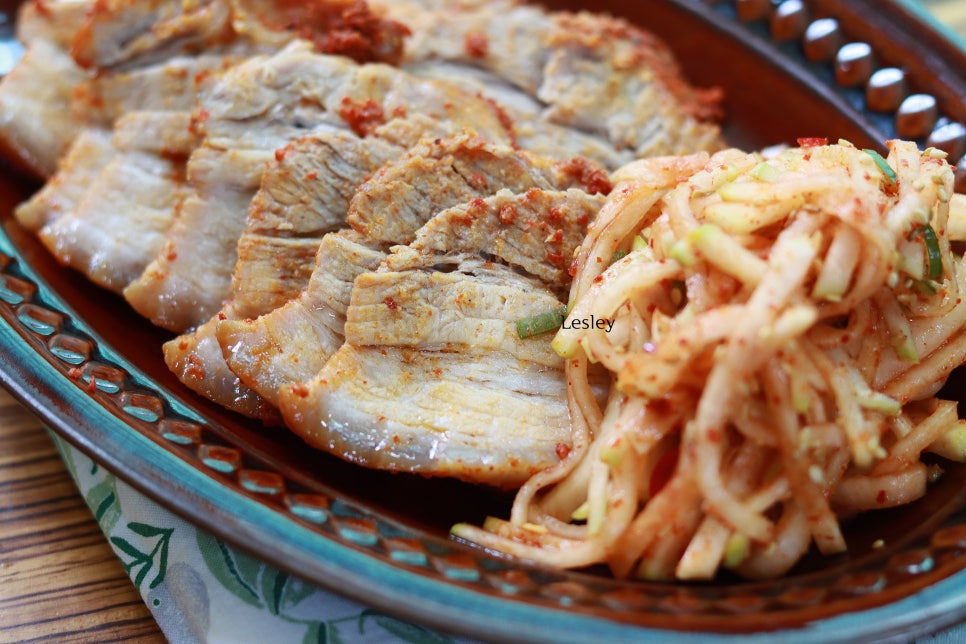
x=59 y=580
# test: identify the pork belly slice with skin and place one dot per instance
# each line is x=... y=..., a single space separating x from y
x=438 y=174
x=564 y=40
x=193 y=252
x=129 y=32
x=152 y=98
x=297 y=338
x=271 y=269
x=119 y=224
x=304 y=194
x=535 y=232
x=55 y=21
x=433 y=378
x=401 y=197
x=290 y=93
x=443 y=303
x=458 y=415
x=431 y=313
x=170 y=85
x=36 y=124
x=47 y=100
x=90 y=152
x=531 y=130
x=594 y=73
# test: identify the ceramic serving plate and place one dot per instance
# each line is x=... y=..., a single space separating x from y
x=92 y=370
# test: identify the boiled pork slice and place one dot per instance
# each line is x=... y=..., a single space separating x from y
x=531 y=129
x=305 y=193
x=129 y=32
x=296 y=339
x=162 y=95
x=626 y=92
x=401 y=197
x=134 y=33
x=460 y=415
x=49 y=97
x=441 y=173
x=171 y=85
x=274 y=268
x=55 y=21
x=86 y=157
x=256 y=109
x=36 y=124
x=119 y=224
x=535 y=232
x=593 y=73
x=433 y=377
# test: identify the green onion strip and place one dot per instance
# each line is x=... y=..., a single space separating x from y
x=932 y=252
x=541 y=323
x=884 y=166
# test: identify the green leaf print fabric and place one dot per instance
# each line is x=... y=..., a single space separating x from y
x=200 y=589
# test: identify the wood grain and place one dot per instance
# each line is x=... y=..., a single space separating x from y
x=59 y=580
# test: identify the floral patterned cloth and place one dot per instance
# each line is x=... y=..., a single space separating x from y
x=200 y=589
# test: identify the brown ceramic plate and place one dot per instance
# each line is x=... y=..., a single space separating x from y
x=93 y=370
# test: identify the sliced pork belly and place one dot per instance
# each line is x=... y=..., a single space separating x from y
x=79 y=168
x=593 y=73
x=36 y=124
x=446 y=414
x=242 y=104
x=119 y=224
x=434 y=176
x=156 y=95
x=47 y=99
x=296 y=339
x=429 y=316
x=130 y=32
x=535 y=232
x=434 y=379
x=175 y=288
x=271 y=268
x=171 y=85
x=305 y=194
x=441 y=173
x=532 y=131
x=443 y=303
x=132 y=48
x=283 y=97
x=55 y=21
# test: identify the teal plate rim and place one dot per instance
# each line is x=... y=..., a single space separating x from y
x=78 y=384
